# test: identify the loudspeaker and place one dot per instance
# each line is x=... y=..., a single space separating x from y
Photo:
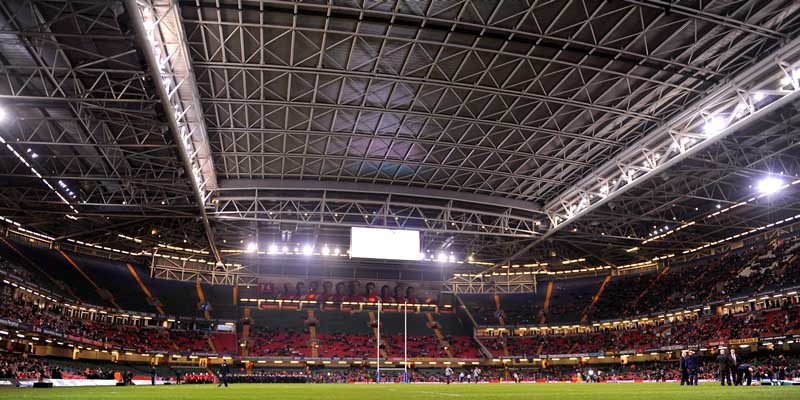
x=43 y=384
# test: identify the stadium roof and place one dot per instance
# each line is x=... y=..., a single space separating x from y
x=511 y=131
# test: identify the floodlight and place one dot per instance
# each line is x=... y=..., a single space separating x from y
x=714 y=126
x=770 y=185
x=252 y=247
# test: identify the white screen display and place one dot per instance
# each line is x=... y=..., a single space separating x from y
x=386 y=244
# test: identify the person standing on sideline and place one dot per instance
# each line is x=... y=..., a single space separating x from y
x=692 y=365
x=724 y=363
x=153 y=375
x=461 y=377
x=448 y=372
x=224 y=371
x=683 y=369
x=476 y=373
x=734 y=367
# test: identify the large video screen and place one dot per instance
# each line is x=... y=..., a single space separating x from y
x=386 y=244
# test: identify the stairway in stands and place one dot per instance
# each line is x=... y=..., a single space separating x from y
x=500 y=320
x=148 y=295
x=312 y=331
x=590 y=309
x=652 y=283
x=438 y=333
x=202 y=298
x=246 y=330
x=104 y=293
x=16 y=253
x=546 y=308
x=373 y=322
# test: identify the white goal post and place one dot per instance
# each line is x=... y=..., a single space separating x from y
x=405 y=345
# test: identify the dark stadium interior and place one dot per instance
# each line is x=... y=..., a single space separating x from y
x=336 y=191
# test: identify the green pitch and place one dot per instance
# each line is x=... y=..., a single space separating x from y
x=409 y=392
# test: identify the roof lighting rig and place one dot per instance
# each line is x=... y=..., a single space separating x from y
x=161 y=37
x=27 y=158
x=759 y=90
x=763 y=88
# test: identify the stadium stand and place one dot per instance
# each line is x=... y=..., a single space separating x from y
x=114 y=275
x=220 y=299
x=285 y=332
x=570 y=298
x=177 y=298
x=61 y=270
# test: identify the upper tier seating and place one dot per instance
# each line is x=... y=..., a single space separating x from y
x=55 y=265
x=115 y=277
x=221 y=299
x=714 y=328
x=176 y=297
x=570 y=298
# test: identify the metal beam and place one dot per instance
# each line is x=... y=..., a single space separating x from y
x=410 y=191
x=755 y=92
x=160 y=36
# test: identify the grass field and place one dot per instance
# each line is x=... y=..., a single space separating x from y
x=409 y=392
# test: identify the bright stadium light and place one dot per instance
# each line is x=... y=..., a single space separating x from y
x=336 y=251
x=251 y=247
x=769 y=185
x=714 y=126
x=285 y=249
x=273 y=248
x=308 y=249
x=326 y=250
x=442 y=257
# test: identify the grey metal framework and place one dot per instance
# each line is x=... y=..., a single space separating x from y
x=507 y=131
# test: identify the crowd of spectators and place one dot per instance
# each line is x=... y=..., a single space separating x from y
x=692 y=330
x=23 y=366
x=48 y=315
x=19 y=366
x=742 y=272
